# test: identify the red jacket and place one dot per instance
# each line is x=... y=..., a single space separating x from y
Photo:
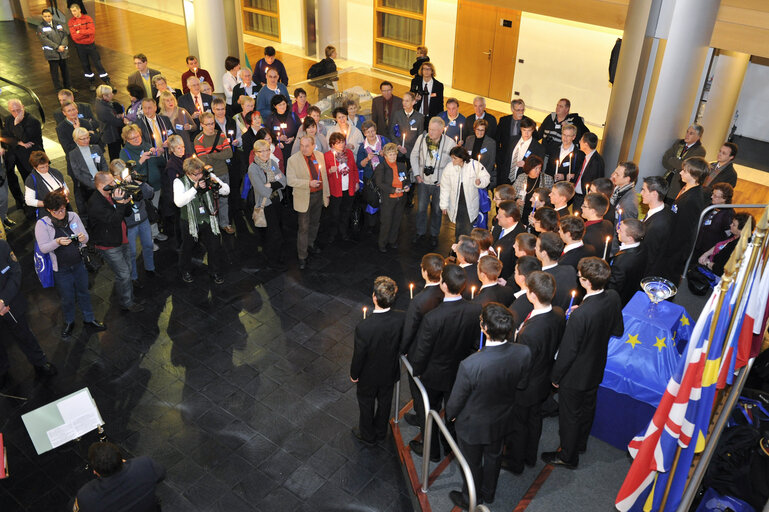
x=82 y=30
x=335 y=178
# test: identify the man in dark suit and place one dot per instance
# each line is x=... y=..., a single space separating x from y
x=565 y=161
x=446 y=336
x=599 y=232
x=548 y=250
x=468 y=252
x=592 y=167
x=627 y=266
x=541 y=332
x=425 y=301
x=375 y=365
x=508 y=226
x=623 y=197
x=195 y=102
x=71 y=121
x=674 y=157
x=572 y=229
x=383 y=107
x=246 y=87
x=481 y=403
x=721 y=171
x=143 y=76
x=581 y=360
x=521 y=306
x=479 y=112
x=658 y=225
x=156 y=128
x=83 y=109
x=508 y=134
x=526 y=146
x=489 y=268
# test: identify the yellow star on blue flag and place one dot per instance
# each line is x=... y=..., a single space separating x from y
x=684 y=320
x=660 y=343
x=633 y=340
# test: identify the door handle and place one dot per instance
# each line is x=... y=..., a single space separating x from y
x=487 y=53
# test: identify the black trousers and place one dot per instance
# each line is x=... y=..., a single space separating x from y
x=390 y=215
x=88 y=53
x=576 y=411
x=375 y=403
x=19 y=160
x=19 y=330
x=212 y=243
x=114 y=149
x=272 y=235
x=522 y=444
x=438 y=399
x=56 y=66
x=340 y=208
x=485 y=461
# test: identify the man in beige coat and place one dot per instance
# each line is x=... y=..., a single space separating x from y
x=306 y=174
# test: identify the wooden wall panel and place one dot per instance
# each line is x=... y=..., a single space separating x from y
x=605 y=13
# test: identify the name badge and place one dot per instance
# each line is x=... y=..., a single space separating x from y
x=6 y=269
x=413 y=128
x=169 y=133
x=707 y=222
x=73 y=226
x=58 y=27
x=557 y=126
x=527 y=154
x=180 y=127
x=314 y=162
x=137 y=218
x=202 y=79
x=283 y=125
x=483 y=150
x=47 y=29
x=453 y=123
x=276 y=128
x=565 y=164
x=401 y=175
x=96 y=158
x=205 y=104
x=412 y=121
x=80 y=116
x=674 y=208
x=435 y=153
x=202 y=210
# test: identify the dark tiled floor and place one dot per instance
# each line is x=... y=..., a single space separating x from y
x=240 y=390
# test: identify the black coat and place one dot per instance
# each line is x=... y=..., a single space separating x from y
x=726 y=174
x=423 y=302
x=658 y=229
x=627 y=270
x=506 y=244
x=375 y=354
x=495 y=293
x=595 y=168
x=446 y=336
x=471 y=271
x=378 y=114
x=436 y=98
x=505 y=145
x=491 y=129
x=65 y=129
x=565 y=281
x=10 y=280
x=582 y=354
x=570 y=164
x=689 y=206
x=573 y=256
x=715 y=227
x=542 y=334
x=239 y=91
x=111 y=124
x=482 y=398
x=595 y=236
x=535 y=148
x=28 y=130
x=188 y=103
x=106 y=221
x=521 y=307
x=164 y=124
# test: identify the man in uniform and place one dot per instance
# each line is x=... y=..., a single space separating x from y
x=55 y=42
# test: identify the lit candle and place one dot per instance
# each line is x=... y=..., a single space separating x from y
x=364 y=312
x=460 y=131
x=195 y=71
x=480 y=345
x=568 y=311
x=404 y=140
x=606 y=246
x=230 y=133
x=411 y=290
x=499 y=252
x=472 y=292
x=619 y=216
x=158 y=140
x=456 y=139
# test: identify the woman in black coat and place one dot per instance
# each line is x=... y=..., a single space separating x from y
x=688 y=206
x=426 y=74
x=716 y=225
x=391 y=179
x=169 y=212
x=111 y=122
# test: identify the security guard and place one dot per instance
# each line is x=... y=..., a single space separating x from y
x=13 y=318
x=55 y=39
x=550 y=130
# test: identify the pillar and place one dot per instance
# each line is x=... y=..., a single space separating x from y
x=648 y=114
x=329 y=31
x=728 y=75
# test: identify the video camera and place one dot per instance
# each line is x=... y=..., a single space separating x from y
x=207 y=182
x=131 y=188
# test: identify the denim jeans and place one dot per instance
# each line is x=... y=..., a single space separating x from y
x=429 y=195
x=119 y=260
x=144 y=232
x=72 y=285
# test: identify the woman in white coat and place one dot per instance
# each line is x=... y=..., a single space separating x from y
x=460 y=185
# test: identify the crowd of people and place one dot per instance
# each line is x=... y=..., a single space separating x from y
x=570 y=238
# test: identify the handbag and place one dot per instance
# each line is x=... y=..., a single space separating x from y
x=260 y=220
x=43 y=267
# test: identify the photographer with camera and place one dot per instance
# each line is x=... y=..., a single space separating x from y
x=214 y=149
x=62 y=235
x=429 y=158
x=108 y=207
x=194 y=194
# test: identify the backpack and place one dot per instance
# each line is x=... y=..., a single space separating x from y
x=316 y=70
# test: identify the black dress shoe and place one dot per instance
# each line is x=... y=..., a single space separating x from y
x=218 y=279
x=302 y=264
x=133 y=308
x=508 y=466
x=314 y=249
x=356 y=432
x=416 y=238
x=554 y=459
x=186 y=277
x=9 y=223
x=411 y=419
x=393 y=246
x=383 y=250
x=3 y=380
x=417 y=446
x=46 y=370
x=458 y=499
x=96 y=326
x=433 y=241
x=67 y=331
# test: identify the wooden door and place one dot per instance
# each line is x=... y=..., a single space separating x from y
x=485 y=48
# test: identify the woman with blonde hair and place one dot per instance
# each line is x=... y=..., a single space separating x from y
x=180 y=118
x=428 y=92
x=392 y=180
x=247 y=104
x=269 y=184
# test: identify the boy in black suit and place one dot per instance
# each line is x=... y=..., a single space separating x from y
x=572 y=229
x=374 y=366
x=658 y=224
x=521 y=307
x=560 y=195
x=468 y=252
x=489 y=268
x=446 y=336
x=597 y=229
x=541 y=332
x=549 y=248
x=581 y=360
x=628 y=264
x=508 y=227
x=481 y=402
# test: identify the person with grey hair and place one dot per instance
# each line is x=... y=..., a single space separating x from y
x=508 y=134
x=479 y=112
x=674 y=157
x=85 y=160
x=111 y=121
x=28 y=134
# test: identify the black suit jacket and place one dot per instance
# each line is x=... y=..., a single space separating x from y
x=568 y=165
x=726 y=174
x=423 y=302
x=65 y=129
x=239 y=91
x=535 y=148
x=565 y=281
x=521 y=307
x=84 y=111
x=582 y=354
x=595 y=236
x=627 y=270
x=471 y=271
x=659 y=227
x=375 y=355
x=595 y=168
x=573 y=256
x=506 y=244
x=505 y=144
x=495 y=293
x=188 y=104
x=447 y=334
x=689 y=206
x=378 y=114
x=436 y=101
x=483 y=396
x=164 y=124
x=491 y=129
x=542 y=334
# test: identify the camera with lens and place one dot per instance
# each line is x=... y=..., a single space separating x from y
x=131 y=189
x=428 y=170
x=208 y=181
x=73 y=237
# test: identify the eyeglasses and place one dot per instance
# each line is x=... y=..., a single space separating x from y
x=59 y=210
x=209 y=124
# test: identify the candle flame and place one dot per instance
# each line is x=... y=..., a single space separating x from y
x=573 y=293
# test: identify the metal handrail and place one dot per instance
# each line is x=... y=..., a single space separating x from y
x=420 y=386
x=32 y=93
x=702 y=217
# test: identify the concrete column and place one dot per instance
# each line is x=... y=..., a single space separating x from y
x=329 y=32
x=206 y=23
x=728 y=75
x=665 y=83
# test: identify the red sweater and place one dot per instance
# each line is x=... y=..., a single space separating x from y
x=82 y=30
x=335 y=178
